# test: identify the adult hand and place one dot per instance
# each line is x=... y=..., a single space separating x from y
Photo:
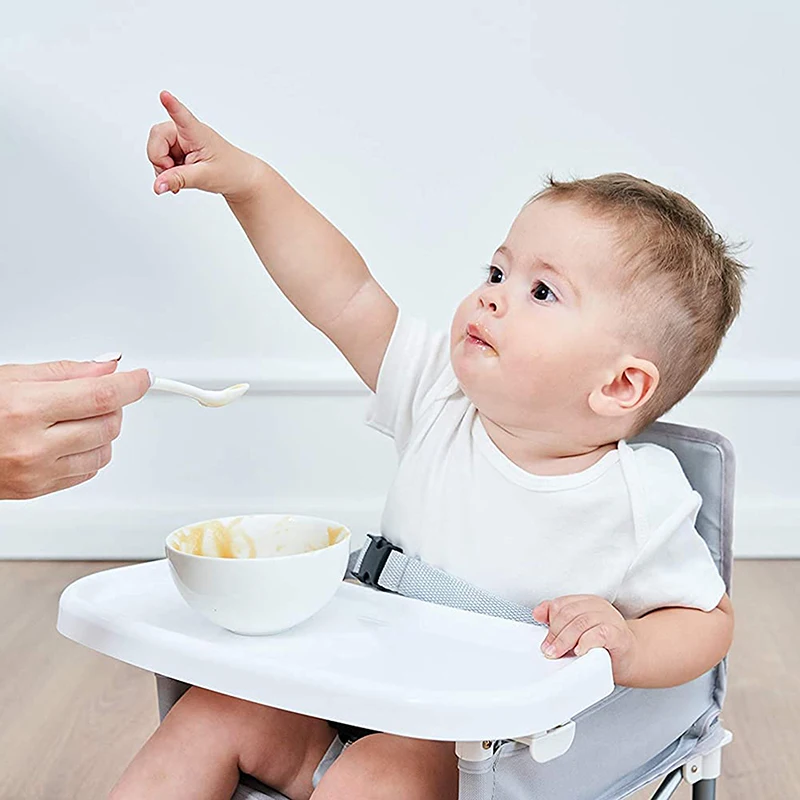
x=57 y=422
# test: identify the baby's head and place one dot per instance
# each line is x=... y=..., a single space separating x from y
x=604 y=306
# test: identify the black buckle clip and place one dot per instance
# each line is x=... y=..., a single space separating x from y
x=374 y=560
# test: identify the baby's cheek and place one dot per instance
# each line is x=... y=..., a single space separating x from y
x=550 y=383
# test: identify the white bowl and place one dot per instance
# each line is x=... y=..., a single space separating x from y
x=299 y=564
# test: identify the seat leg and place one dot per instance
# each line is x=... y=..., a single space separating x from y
x=702 y=771
x=705 y=790
x=475 y=770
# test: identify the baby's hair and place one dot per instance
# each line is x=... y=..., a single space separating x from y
x=682 y=285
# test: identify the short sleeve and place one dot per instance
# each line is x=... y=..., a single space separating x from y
x=674 y=569
x=415 y=371
x=673 y=565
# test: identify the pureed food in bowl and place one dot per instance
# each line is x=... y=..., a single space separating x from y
x=215 y=539
x=218 y=539
x=260 y=573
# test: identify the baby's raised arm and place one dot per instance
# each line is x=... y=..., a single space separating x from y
x=314 y=265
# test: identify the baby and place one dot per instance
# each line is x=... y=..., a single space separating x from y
x=604 y=305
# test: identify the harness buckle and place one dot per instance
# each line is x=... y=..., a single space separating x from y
x=375 y=557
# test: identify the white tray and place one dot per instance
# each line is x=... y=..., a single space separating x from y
x=369 y=658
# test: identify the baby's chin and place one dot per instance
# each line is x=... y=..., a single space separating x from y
x=475 y=385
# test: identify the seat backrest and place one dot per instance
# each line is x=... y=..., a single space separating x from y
x=708 y=462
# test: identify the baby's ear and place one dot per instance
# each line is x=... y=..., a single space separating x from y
x=627 y=390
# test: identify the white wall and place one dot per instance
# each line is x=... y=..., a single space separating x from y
x=418 y=129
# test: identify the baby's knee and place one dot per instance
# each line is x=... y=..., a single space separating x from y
x=280 y=748
x=356 y=778
x=202 y=709
x=201 y=702
x=382 y=767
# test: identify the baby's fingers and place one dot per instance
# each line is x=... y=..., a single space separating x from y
x=600 y=636
x=163 y=149
x=559 y=642
x=185 y=121
x=541 y=613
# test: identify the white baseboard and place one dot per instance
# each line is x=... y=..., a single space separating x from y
x=120 y=534
x=729 y=376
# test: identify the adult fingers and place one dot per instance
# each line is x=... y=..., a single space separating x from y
x=66 y=483
x=78 y=436
x=85 y=398
x=83 y=463
x=57 y=370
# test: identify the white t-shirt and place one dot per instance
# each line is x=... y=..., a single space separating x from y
x=622 y=529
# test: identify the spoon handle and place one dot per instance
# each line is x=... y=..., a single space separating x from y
x=177 y=387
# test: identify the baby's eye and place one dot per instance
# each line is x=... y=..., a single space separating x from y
x=541 y=291
x=495 y=274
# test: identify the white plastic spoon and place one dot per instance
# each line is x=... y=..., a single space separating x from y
x=206 y=397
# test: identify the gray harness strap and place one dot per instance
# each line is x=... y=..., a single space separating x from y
x=383 y=565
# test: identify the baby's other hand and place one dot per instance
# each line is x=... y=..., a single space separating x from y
x=581 y=622
x=187 y=154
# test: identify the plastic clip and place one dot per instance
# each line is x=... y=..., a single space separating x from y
x=374 y=560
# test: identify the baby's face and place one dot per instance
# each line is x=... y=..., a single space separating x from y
x=530 y=344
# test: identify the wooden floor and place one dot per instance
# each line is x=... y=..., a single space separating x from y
x=71 y=719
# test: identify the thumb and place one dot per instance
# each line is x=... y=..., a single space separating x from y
x=184 y=120
x=56 y=370
x=186 y=176
x=542 y=612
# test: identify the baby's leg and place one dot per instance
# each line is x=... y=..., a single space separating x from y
x=206 y=738
x=384 y=767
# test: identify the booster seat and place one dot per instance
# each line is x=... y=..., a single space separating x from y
x=593 y=749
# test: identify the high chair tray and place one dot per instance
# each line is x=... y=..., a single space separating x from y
x=369 y=658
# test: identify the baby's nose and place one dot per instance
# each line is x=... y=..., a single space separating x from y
x=491 y=301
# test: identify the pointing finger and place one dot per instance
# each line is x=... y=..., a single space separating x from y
x=183 y=118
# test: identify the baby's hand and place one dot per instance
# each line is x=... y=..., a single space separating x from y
x=187 y=154
x=580 y=622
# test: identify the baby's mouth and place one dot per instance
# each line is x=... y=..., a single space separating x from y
x=475 y=340
x=473 y=337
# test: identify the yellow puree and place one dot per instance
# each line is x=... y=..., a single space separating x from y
x=224 y=537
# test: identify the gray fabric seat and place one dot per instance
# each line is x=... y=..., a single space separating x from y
x=634 y=735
